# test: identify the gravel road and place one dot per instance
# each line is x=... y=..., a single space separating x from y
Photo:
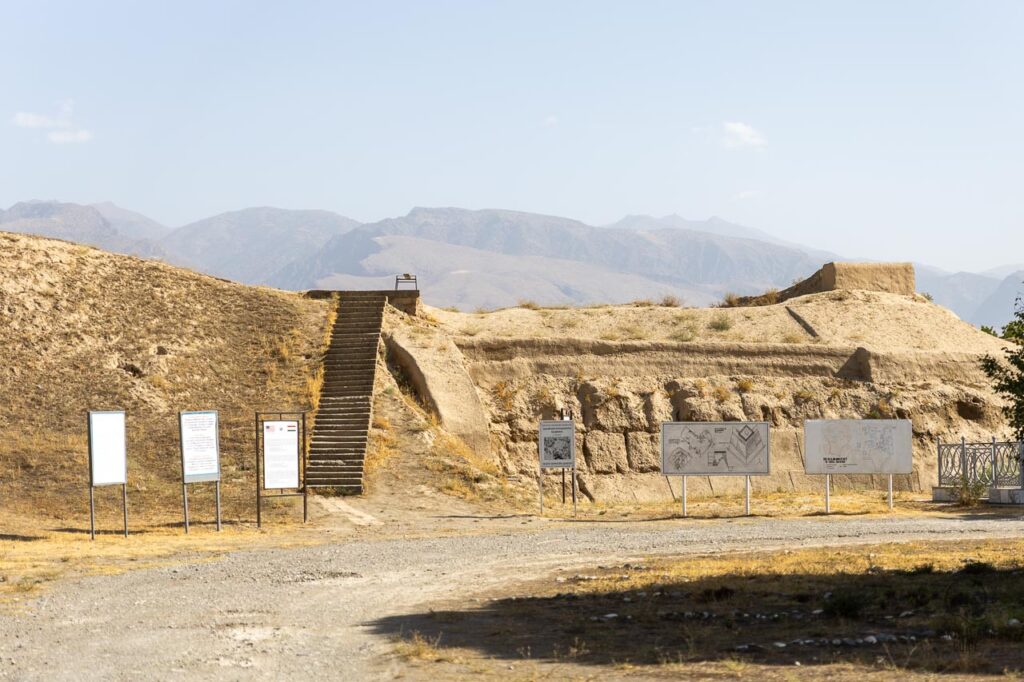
x=285 y=613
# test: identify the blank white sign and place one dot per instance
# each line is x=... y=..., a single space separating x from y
x=200 y=449
x=280 y=454
x=859 y=446
x=108 y=461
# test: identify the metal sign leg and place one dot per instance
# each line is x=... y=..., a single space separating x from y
x=890 y=492
x=540 y=489
x=747 y=495
x=124 y=501
x=573 y=482
x=682 y=496
x=563 y=486
x=92 y=513
x=218 y=506
x=184 y=498
x=828 y=492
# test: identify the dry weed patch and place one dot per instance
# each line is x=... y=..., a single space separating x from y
x=893 y=610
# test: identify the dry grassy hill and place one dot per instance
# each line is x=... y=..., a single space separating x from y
x=83 y=329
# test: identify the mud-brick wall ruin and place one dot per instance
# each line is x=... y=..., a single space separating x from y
x=623 y=392
x=492 y=392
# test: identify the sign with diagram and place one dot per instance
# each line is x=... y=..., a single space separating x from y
x=281 y=454
x=858 y=446
x=557 y=444
x=108 y=457
x=200 y=446
x=714 y=448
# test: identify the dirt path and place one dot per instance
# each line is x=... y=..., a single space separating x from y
x=269 y=614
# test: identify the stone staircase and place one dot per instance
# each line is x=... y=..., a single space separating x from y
x=338 y=449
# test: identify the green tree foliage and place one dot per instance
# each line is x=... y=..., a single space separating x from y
x=1007 y=374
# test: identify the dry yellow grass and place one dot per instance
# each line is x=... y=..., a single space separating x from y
x=37 y=558
x=756 y=615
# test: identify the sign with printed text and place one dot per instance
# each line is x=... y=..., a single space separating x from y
x=200 y=446
x=557 y=444
x=108 y=455
x=715 y=449
x=280 y=454
x=858 y=446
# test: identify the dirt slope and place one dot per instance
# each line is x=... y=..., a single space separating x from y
x=83 y=329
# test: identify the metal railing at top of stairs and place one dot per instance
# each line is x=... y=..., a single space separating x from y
x=994 y=463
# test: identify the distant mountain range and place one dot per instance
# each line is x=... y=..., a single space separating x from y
x=489 y=258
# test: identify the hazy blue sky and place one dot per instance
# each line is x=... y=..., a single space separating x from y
x=893 y=130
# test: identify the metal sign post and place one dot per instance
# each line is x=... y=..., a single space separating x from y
x=108 y=460
x=574 y=490
x=747 y=495
x=286 y=451
x=682 y=495
x=199 y=440
x=540 y=488
x=828 y=492
x=858 y=446
x=715 y=449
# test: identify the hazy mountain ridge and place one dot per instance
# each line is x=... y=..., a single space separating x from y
x=130 y=223
x=491 y=257
x=75 y=223
x=686 y=262
x=253 y=244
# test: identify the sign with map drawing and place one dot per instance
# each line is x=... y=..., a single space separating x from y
x=858 y=446
x=557 y=444
x=714 y=448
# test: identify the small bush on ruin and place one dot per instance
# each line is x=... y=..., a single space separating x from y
x=720 y=323
x=720 y=393
x=745 y=385
x=804 y=395
x=528 y=304
x=671 y=301
x=730 y=300
x=684 y=334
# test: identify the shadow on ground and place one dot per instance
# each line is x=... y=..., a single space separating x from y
x=956 y=623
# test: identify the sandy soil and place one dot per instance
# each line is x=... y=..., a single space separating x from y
x=330 y=610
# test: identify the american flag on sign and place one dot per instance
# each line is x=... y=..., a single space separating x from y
x=292 y=427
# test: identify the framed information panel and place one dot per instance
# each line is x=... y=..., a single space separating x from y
x=281 y=454
x=715 y=449
x=557 y=444
x=859 y=446
x=200 y=446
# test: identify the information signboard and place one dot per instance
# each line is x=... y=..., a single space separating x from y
x=858 y=446
x=280 y=454
x=200 y=446
x=108 y=460
x=557 y=444
x=715 y=449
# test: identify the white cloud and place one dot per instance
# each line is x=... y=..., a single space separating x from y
x=62 y=128
x=69 y=136
x=24 y=119
x=747 y=195
x=550 y=122
x=736 y=135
